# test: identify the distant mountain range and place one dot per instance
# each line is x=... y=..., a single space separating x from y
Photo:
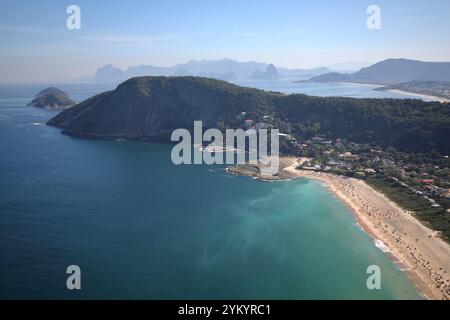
x=224 y=69
x=392 y=71
x=271 y=73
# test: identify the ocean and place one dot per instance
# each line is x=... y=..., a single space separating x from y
x=140 y=227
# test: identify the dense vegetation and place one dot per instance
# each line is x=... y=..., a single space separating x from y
x=405 y=124
x=434 y=217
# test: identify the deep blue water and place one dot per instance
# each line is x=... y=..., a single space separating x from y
x=140 y=227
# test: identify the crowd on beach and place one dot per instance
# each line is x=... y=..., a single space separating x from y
x=421 y=252
x=385 y=220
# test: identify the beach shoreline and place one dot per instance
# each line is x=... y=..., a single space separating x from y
x=421 y=95
x=402 y=92
x=417 y=250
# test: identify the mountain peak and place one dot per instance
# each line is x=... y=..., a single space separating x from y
x=225 y=69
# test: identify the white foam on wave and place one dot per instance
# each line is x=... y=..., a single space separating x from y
x=380 y=245
x=356 y=224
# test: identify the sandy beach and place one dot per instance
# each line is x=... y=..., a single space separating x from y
x=433 y=98
x=418 y=250
x=402 y=92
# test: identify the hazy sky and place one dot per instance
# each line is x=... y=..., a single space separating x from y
x=37 y=46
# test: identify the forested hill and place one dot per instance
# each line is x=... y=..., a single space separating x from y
x=406 y=124
x=143 y=108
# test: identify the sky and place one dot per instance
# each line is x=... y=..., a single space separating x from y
x=37 y=46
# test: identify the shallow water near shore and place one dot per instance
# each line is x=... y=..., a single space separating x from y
x=140 y=227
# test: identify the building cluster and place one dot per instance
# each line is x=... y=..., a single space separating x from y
x=418 y=174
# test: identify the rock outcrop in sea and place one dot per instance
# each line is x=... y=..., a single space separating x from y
x=52 y=98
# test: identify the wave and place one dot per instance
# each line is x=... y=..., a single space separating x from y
x=380 y=245
x=356 y=224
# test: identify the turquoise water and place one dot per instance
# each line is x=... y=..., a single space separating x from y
x=140 y=227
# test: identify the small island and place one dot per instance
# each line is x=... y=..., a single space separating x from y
x=52 y=98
